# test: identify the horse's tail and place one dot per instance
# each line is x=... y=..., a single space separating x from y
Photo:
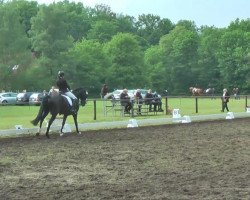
x=41 y=110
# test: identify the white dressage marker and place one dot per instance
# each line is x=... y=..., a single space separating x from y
x=132 y=123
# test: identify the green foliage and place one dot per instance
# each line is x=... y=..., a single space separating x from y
x=102 y=31
x=127 y=61
x=208 y=70
x=13 y=45
x=179 y=49
x=88 y=64
x=50 y=37
x=232 y=57
x=95 y=46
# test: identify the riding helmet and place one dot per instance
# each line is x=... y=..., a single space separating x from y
x=60 y=74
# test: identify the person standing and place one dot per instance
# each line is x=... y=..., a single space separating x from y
x=225 y=100
x=104 y=90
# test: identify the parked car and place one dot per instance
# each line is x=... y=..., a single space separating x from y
x=8 y=98
x=36 y=98
x=143 y=92
x=23 y=98
x=117 y=94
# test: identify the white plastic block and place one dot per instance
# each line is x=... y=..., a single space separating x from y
x=230 y=115
x=132 y=123
x=186 y=119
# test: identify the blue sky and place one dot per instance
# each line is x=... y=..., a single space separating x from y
x=218 y=13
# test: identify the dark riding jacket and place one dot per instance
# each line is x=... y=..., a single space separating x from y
x=62 y=85
x=149 y=98
x=124 y=98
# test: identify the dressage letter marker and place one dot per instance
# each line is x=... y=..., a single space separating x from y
x=176 y=115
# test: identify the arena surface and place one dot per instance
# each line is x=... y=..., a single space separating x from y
x=206 y=160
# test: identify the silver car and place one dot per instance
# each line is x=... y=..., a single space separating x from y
x=8 y=98
x=36 y=99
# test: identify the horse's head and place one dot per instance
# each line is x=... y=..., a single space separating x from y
x=81 y=94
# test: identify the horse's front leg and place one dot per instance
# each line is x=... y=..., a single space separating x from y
x=76 y=124
x=63 y=123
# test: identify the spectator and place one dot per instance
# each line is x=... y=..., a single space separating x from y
x=125 y=101
x=157 y=102
x=104 y=90
x=139 y=100
x=149 y=99
x=236 y=93
x=53 y=91
x=225 y=100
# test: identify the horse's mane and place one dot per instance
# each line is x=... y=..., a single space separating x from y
x=78 y=89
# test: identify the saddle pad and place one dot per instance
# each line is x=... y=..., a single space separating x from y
x=69 y=99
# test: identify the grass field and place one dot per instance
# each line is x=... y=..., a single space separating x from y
x=22 y=115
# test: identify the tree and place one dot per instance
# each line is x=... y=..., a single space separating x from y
x=79 y=22
x=157 y=78
x=14 y=53
x=102 y=31
x=208 y=69
x=232 y=57
x=180 y=58
x=152 y=27
x=50 y=38
x=87 y=64
x=26 y=10
x=127 y=62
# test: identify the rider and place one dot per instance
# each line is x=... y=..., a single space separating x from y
x=64 y=88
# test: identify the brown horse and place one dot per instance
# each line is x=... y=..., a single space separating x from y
x=196 y=91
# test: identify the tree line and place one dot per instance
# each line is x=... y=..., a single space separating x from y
x=96 y=45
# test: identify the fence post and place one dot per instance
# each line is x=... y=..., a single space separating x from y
x=246 y=101
x=132 y=110
x=94 y=109
x=166 y=105
x=196 y=104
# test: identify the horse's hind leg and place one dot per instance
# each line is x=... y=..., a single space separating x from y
x=63 y=123
x=49 y=124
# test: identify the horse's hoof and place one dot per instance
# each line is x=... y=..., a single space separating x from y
x=61 y=134
x=79 y=133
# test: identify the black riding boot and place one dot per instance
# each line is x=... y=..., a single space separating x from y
x=74 y=106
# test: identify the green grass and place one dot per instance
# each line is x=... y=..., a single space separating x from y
x=22 y=115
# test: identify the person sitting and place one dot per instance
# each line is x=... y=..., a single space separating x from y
x=125 y=101
x=157 y=102
x=64 y=88
x=139 y=100
x=149 y=99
